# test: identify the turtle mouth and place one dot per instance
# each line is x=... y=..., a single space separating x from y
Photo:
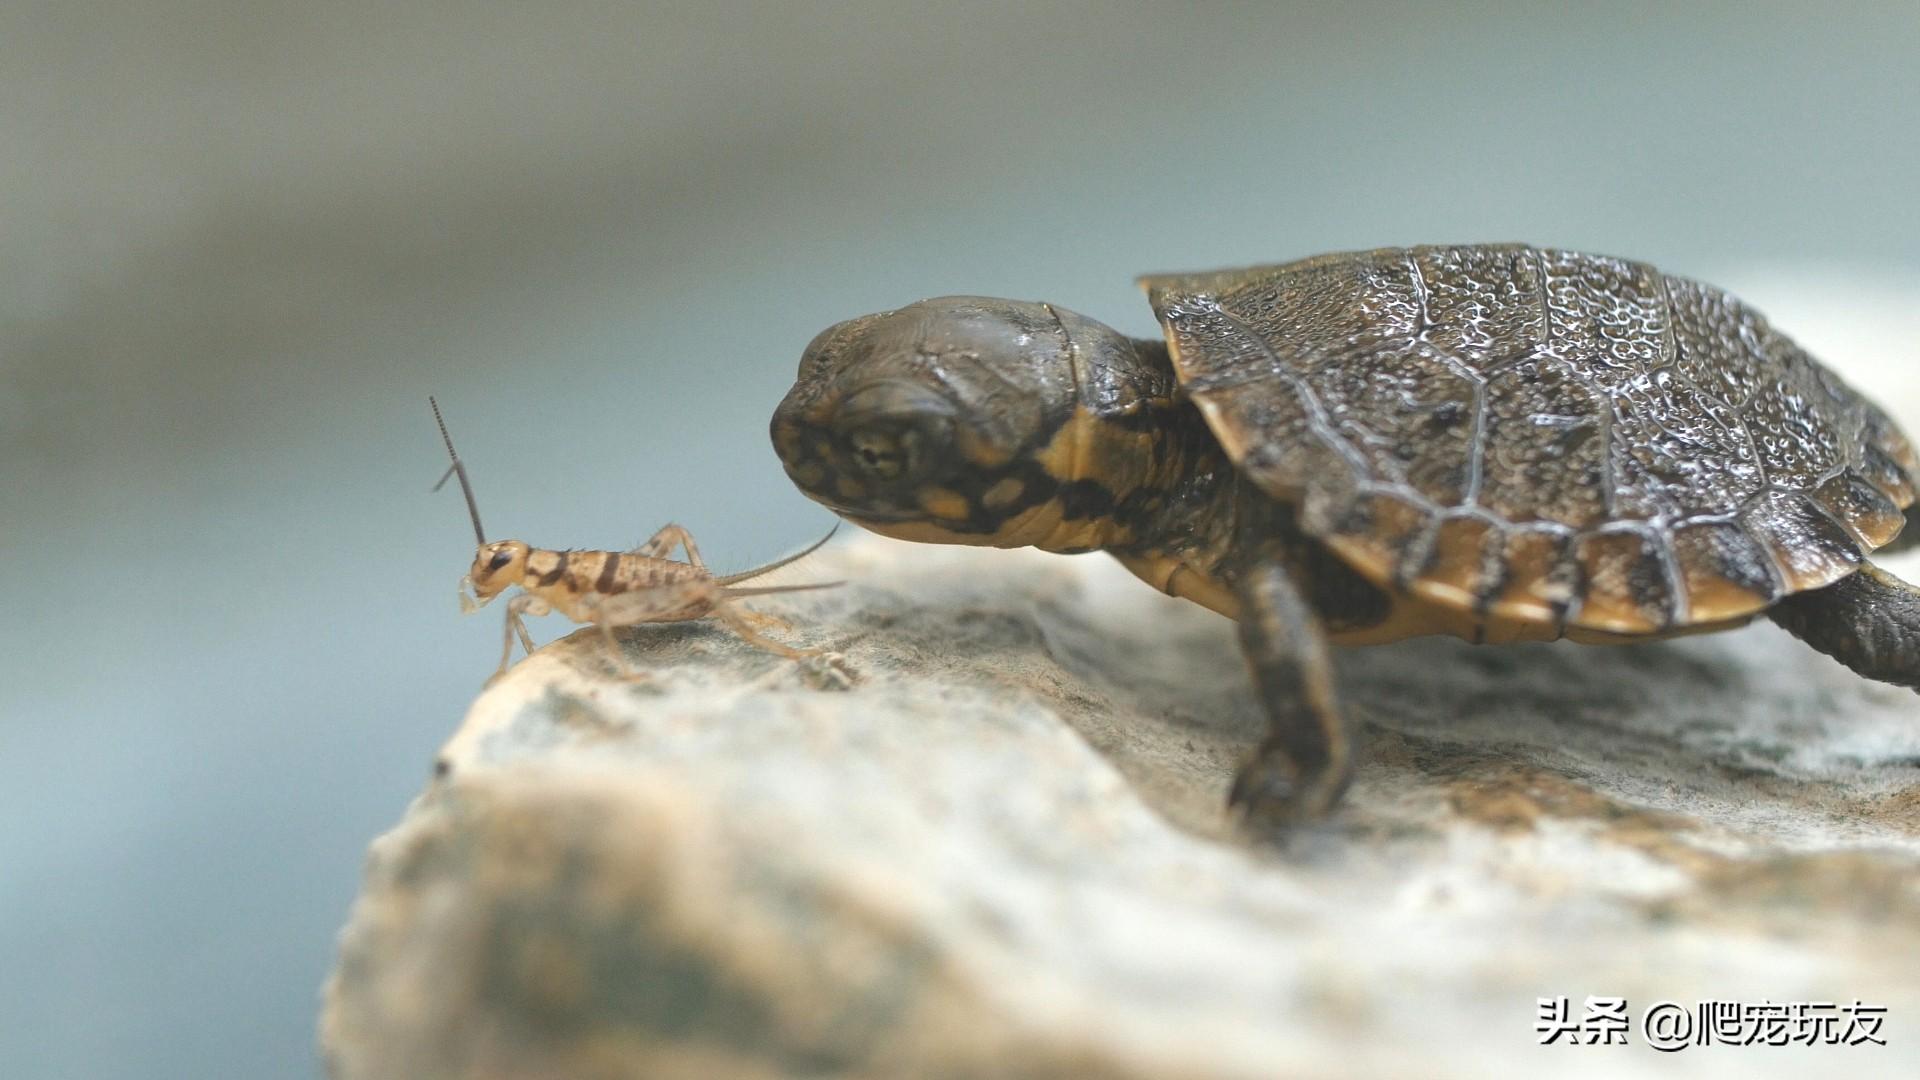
x=859 y=515
x=867 y=455
x=818 y=480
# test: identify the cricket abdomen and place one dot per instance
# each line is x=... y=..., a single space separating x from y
x=578 y=584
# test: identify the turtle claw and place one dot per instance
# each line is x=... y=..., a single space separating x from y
x=1271 y=793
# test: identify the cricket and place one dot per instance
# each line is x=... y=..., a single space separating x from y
x=609 y=589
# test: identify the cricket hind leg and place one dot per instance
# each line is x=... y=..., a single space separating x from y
x=741 y=622
x=1303 y=766
x=661 y=544
x=760 y=620
x=699 y=599
x=823 y=667
x=1869 y=621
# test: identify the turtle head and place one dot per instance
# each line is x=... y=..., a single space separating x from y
x=967 y=419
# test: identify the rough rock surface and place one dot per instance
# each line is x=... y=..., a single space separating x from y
x=1004 y=852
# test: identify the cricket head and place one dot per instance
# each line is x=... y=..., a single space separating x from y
x=497 y=567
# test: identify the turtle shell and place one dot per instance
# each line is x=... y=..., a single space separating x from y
x=1540 y=436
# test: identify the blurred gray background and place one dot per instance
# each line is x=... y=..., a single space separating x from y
x=242 y=242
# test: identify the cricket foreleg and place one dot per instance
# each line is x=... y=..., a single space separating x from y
x=516 y=607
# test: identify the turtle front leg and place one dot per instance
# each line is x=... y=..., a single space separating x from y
x=1303 y=765
x=1869 y=621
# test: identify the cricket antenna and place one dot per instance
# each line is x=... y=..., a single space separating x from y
x=466 y=487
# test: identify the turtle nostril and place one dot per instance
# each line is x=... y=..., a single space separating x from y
x=881 y=453
x=890 y=432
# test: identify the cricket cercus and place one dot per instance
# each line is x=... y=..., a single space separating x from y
x=608 y=589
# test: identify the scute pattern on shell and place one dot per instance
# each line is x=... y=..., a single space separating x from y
x=1542 y=434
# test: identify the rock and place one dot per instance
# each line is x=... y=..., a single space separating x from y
x=1004 y=852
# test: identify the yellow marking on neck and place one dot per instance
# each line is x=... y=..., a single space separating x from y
x=945 y=503
x=1071 y=450
x=980 y=451
x=1035 y=526
x=1121 y=460
x=1004 y=493
x=1090 y=447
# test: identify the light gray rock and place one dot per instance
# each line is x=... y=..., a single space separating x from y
x=1004 y=852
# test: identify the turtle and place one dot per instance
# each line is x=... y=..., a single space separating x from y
x=1496 y=442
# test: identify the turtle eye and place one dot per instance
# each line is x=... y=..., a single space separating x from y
x=500 y=559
